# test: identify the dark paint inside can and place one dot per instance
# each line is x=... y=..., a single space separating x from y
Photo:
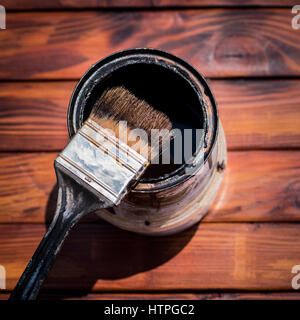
x=165 y=91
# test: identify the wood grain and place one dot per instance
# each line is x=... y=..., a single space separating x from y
x=256 y=114
x=33 y=115
x=250 y=238
x=168 y=296
x=219 y=42
x=185 y=296
x=80 y=4
x=259 y=114
x=258 y=186
x=209 y=256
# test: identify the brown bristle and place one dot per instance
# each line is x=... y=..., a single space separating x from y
x=118 y=104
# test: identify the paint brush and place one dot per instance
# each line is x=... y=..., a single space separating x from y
x=98 y=167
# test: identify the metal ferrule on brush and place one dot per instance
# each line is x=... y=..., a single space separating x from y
x=100 y=162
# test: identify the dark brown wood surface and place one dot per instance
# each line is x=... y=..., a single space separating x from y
x=249 y=241
x=169 y=296
x=80 y=4
x=256 y=114
x=98 y=257
x=219 y=42
x=258 y=186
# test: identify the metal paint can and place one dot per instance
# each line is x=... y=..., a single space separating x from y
x=171 y=198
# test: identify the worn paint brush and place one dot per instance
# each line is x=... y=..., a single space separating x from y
x=96 y=170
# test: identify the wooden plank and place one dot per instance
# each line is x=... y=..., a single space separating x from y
x=219 y=42
x=33 y=116
x=168 y=296
x=258 y=186
x=28 y=191
x=26 y=184
x=256 y=114
x=79 y=4
x=259 y=114
x=99 y=257
x=184 y=296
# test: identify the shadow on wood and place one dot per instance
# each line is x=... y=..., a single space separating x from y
x=108 y=253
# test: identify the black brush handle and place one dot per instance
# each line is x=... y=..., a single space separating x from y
x=73 y=203
x=37 y=269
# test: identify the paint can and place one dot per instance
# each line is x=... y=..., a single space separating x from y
x=170 y=197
